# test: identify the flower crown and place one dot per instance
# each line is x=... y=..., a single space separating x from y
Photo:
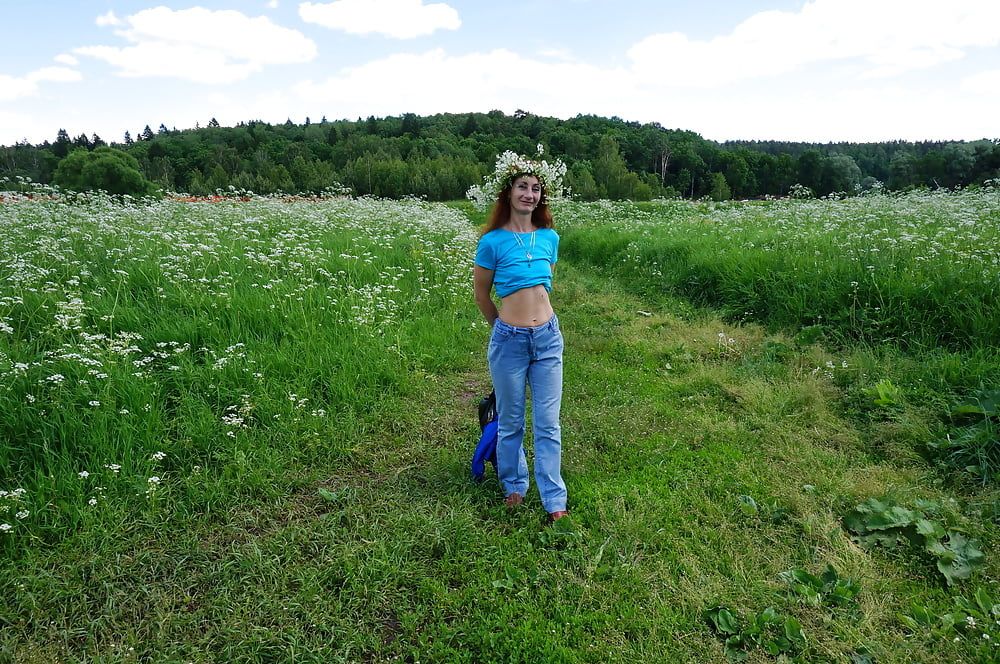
x=510 y=165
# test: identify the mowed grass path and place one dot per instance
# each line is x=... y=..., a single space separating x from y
x=389 y=553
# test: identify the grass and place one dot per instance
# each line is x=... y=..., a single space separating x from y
x=917 y=270
x=700 y=468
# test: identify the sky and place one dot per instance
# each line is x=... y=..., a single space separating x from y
x=817 y=71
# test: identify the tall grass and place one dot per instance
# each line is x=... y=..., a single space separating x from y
x=918 y=270
x=146 y=344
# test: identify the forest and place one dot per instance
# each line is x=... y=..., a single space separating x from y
x=438 y=157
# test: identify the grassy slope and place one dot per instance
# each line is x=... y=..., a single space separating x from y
x=404 y=558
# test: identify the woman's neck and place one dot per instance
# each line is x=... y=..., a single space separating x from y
x=520 y=223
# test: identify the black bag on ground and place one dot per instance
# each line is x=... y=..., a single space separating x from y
x=487 y=410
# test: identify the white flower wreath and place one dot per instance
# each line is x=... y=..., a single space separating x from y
x=510 y=165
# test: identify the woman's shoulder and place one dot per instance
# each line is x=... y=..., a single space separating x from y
x=494 y=237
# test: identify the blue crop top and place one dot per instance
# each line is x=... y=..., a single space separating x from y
x=500 y=251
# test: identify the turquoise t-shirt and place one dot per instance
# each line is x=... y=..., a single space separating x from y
x=506 y=253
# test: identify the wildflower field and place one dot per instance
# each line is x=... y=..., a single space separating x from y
x=239 y=430
x=920 y=270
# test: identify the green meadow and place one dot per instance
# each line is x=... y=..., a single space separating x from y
x=240 y=431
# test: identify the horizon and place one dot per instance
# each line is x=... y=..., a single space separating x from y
x=820 y=72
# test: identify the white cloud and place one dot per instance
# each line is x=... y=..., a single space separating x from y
x=429 y=82
x=400 y=19
x=66 y=59
x=557 y=54
x=107 y=19
x=272 y=4
x=161 y=59
x=201 y=45
x=29 y=126
x=986 y=83
x=885 y=38
x=58 y=74
x=13 y=87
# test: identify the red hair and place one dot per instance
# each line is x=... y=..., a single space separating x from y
x=541 y=217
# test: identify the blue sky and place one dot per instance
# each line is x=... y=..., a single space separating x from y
x=823 y=70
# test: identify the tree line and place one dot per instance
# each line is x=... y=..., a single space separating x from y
x=440 y=156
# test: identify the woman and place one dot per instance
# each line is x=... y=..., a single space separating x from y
x=517 y=255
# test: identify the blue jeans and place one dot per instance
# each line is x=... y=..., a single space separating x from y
x=521 y=356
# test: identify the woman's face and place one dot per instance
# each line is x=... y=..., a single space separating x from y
x=525 y=193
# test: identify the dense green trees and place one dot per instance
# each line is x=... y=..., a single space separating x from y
x=440 y=156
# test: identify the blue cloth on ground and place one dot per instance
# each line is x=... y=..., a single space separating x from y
x=486 y=450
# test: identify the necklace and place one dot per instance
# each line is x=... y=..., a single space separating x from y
x=527 y=250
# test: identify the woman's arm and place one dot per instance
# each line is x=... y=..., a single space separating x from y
x=482 y=283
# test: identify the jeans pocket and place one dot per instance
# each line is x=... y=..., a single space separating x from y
x=500 y=333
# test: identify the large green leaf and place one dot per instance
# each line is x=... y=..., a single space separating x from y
x=793 y=631
x=723 y=620
x=930 y=529
x=957 y=557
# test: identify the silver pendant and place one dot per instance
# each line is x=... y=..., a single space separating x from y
x=529 y=256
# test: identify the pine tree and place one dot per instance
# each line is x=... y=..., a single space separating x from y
x=411 y=125
x=470 y=126
x=61 y=147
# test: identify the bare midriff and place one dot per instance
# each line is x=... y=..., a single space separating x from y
x=526 y=307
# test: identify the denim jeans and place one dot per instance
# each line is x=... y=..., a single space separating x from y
x=520 y=357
